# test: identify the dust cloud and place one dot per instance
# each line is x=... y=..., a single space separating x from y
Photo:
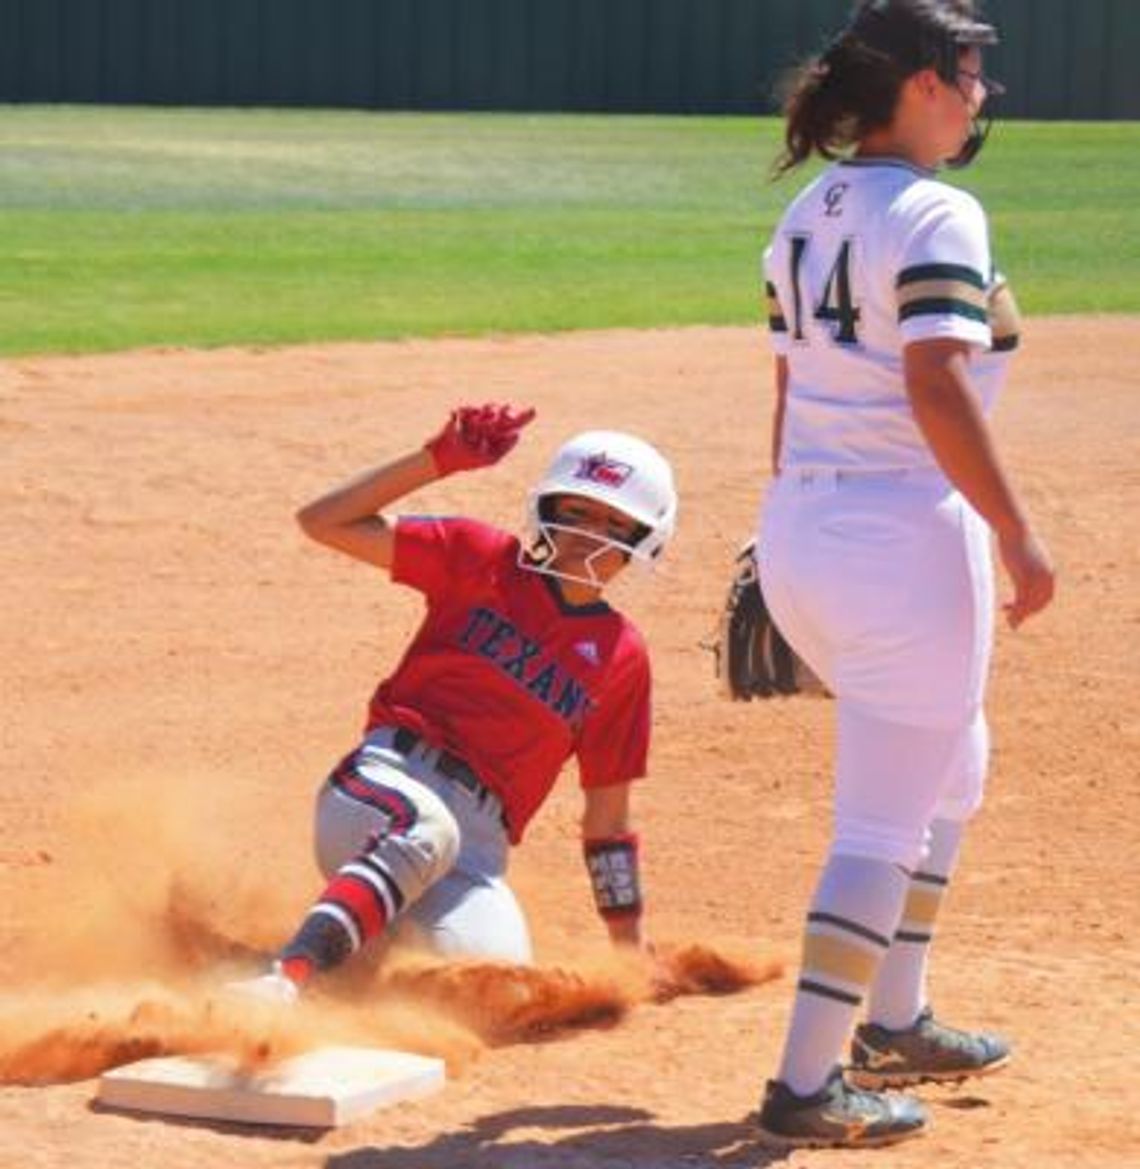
x=152 y=916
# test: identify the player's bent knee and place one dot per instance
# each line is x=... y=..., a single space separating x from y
x=406 y=827
x=964 y=790
x=963 y=802
x=437 y=834
x=894 y=844
x=424 y=852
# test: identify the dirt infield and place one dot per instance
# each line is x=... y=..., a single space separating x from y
x=181 y=669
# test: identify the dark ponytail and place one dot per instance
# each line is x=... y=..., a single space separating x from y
x=836 y=98
x=853 y=87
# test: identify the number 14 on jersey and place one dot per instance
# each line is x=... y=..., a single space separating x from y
x=835 y=304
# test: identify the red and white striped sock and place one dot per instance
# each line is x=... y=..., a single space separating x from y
x=356 y=906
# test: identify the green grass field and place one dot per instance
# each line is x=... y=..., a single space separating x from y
x=126 y=227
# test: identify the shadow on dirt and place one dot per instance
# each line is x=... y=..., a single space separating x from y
x=606 y=1136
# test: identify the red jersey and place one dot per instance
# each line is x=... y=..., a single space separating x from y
x=506 y=675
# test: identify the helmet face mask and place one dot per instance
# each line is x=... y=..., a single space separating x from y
x=618 y=470
x=543 y=556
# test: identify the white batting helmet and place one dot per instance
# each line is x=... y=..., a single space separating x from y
x=616 y=469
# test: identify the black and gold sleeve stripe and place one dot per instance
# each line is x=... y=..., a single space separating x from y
x=777 y=323
x=1004 y=318
x=941 y=290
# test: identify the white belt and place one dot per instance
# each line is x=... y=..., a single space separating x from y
x=834 y=476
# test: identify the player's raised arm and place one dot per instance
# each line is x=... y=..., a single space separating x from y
x=348 y=517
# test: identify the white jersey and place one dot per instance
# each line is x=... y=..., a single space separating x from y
x=872 y=255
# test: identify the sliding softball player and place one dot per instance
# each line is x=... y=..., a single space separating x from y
x=519 y=665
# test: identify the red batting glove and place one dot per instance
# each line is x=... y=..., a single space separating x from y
x=476 y=436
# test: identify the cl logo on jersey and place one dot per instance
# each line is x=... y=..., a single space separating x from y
x=832 y=198
x=600 y=468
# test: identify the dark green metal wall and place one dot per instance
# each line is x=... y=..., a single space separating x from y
x=1060 y=58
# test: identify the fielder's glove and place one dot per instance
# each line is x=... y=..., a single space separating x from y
x=753 y=658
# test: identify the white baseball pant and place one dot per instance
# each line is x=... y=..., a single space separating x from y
x=883 y=583
x=445 y=845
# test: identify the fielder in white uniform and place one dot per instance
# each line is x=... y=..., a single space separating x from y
x=891 y=333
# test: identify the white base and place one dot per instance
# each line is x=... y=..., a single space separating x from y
x=320 y=1089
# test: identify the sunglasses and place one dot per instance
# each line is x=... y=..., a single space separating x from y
x=993 y=88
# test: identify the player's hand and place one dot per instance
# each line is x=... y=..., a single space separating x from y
x=662 y=981
x=645 y=958
x=1030 y=568
x=476 y=436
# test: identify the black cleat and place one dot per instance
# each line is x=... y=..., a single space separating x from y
x=925 y=1051
x=837 y=1116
